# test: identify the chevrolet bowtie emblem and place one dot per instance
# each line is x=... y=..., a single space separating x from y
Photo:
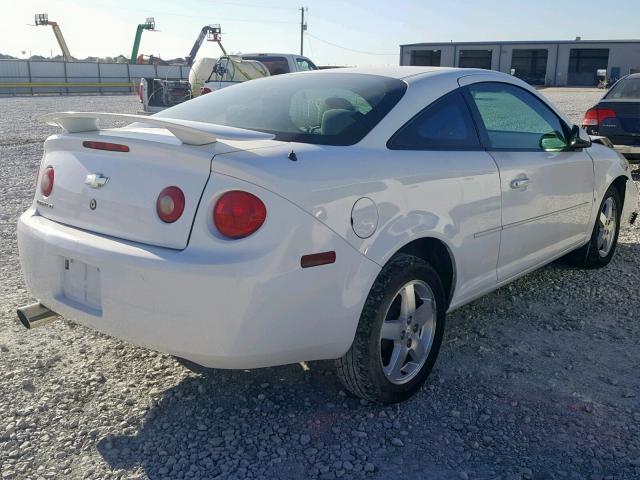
x=96 y=180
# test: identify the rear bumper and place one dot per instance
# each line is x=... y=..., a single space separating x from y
x=630 y=209
x=218 y=311
x=631 y=153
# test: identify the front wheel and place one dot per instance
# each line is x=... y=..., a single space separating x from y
x=399 y=333
x=604 y=237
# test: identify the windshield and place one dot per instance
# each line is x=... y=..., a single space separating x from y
x=626 y=88
x=320 y=108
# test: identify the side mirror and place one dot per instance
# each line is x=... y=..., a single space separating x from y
x=553 y=142
x=579 y=138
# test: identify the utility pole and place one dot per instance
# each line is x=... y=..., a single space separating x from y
x=303 y=28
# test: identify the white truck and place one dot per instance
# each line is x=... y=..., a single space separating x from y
x=230 y=69
x=209 y=74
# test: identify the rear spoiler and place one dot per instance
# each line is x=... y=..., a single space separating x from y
x=187 y=131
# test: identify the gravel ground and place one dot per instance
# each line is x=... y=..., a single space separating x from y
x=538 y=380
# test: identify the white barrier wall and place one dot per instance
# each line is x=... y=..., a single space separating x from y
x=26 y=77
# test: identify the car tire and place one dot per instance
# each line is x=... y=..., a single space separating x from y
x=604 y=237
x=404 y=314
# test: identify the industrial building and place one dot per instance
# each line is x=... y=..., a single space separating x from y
x=560 y=63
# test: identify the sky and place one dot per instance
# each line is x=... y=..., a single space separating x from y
x=356 y=32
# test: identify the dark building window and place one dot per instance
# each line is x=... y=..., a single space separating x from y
x=475 y=59
x=530 y=65
x=584 y=64
x=426 y=58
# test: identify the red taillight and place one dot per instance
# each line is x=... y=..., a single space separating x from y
x=46 y=181
x=238 y=214
x=204 y=90
x=595 y=116
x=112 y=147
x=141 y=92
x=170 y=204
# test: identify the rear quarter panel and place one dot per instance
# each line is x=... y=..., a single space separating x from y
x=272 y=310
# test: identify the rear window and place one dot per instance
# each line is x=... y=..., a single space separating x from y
x=319 y=108
x=275 y=65
x=626 y=88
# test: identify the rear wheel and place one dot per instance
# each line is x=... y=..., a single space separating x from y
x=604 y=237
x=399 y=333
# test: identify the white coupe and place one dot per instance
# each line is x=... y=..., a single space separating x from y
x=336 y=214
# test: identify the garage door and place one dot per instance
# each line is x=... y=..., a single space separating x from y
x=475 y=59
x=584 y=64
x=530 y=64
x=426 y=58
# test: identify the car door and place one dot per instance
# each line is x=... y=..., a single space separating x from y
x=458 y=181
x=546 y=195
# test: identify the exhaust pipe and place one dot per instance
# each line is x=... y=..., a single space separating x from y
x=35 y=315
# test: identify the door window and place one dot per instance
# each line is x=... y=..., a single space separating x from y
x=446 y=124
x=305 y=64
x=512 y=118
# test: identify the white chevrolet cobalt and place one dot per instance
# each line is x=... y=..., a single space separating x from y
x=336 y=214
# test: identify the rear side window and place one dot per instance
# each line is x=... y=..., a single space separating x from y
x=512 y=118
x=446 y=124
x=275 y=65
x=625 y=88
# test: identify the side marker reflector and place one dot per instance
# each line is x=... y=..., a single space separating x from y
x=316 y=259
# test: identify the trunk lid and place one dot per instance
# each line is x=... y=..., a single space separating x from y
x=125 y=206
x=627 y=114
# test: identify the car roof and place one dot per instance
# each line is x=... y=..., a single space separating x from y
x=268 y=54
x=411 y=72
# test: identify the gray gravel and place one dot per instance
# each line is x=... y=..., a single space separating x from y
x=538 y=380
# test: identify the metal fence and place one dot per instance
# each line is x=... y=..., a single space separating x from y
x=27 y=77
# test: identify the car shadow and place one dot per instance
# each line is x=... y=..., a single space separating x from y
x=205 y=419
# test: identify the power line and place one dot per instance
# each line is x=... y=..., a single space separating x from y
x=349 y=49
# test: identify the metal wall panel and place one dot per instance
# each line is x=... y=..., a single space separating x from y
x=82 y=73
x=51 y=77
x=169 y=72
x=48 y=72
x=12 y=72
x=139 y=71
x=114 y=72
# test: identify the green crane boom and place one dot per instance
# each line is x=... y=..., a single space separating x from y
x=149 y=24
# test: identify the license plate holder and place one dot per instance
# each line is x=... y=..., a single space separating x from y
x=81 y=283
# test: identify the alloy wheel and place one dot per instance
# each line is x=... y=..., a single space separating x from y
x=407 y=332
x=607 y=224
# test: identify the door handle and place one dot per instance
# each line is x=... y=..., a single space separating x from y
x=519 y=183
